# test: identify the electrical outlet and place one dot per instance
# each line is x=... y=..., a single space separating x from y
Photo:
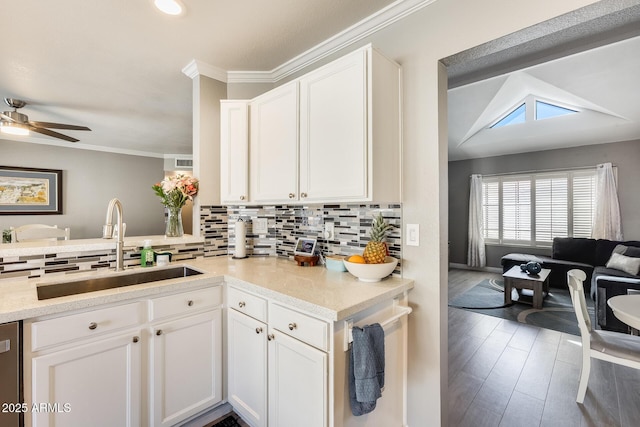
x=260 y=226
x=329 y=231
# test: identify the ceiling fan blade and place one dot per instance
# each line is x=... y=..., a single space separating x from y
x=52 y=133
x=7 y=118
x=57 y=126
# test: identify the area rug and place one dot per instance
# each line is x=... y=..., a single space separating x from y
x=487 y=297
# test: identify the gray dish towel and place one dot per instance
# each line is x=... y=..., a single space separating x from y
x=366 y=368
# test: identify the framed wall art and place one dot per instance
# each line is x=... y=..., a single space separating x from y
x=30 y=191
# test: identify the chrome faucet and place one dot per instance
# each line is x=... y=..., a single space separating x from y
x=107 y=231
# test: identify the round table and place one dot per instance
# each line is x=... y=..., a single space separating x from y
x=626 y=308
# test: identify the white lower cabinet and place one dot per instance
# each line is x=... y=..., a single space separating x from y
x=145 y=363
x=274 y=379
x=185 y=367
x=95 y=384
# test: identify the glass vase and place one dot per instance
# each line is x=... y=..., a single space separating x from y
x=174 y=222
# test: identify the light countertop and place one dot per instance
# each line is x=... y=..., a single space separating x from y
x=79 y=245
x=327 y=294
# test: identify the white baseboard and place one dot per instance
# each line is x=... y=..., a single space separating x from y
x=466 y=267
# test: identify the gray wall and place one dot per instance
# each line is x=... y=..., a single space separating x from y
x=90 y=179
x=624 y=155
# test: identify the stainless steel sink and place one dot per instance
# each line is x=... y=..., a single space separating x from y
x=55 y=290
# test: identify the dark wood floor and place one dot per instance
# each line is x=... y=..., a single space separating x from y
x=502 y=373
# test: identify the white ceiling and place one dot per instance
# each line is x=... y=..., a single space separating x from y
x=602 y=84
x=115 y=66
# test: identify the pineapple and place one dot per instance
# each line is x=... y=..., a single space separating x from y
x=376 y=249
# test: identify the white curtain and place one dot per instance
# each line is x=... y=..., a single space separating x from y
x=476 y=256
x=606 y=221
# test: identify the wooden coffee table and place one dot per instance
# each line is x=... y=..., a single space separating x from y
x=515 y=278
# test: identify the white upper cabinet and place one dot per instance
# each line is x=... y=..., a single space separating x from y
x=333 y=131
x=332 y=135
x=273 y=147
x=234 y=151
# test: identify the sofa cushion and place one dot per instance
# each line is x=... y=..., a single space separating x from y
x=574 y=249
x=604 y=249
x=631 y=251
x=627 y=264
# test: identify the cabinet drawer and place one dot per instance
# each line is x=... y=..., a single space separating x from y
x=305 y=328
x=247 y=303
x=186 y=302
x=46 y=333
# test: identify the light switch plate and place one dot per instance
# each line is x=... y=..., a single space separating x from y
x=413 y=235
x=260 y=226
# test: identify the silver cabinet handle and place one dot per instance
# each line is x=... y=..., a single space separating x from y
x=241 y=197
x=291 y=195
x=136 y=339
x=5 y=346
x=241 y=304
x=292 y=326
x=159 y=332
x=271 y=337
x=93 y=325
x=258 y=330
x=303 y=195
x=190 y=303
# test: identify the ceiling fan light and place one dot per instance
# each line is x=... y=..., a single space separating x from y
x=170 y=7
x=13 y=129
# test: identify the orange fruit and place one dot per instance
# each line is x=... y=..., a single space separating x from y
x=357 y=259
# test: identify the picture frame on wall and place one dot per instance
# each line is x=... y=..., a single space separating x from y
x=30 y=191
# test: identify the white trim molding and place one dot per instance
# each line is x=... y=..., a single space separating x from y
x=371 y=24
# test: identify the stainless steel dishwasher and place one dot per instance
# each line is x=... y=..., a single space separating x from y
x=11 y=402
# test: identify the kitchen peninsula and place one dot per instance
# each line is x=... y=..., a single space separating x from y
x=282 y=321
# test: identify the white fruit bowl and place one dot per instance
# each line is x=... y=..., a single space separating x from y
x=371 y=272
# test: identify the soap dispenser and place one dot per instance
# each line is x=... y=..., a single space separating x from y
x=146 y=255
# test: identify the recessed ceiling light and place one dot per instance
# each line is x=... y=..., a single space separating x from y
x=170 y=7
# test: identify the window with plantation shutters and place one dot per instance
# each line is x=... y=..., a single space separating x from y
x=533 y=209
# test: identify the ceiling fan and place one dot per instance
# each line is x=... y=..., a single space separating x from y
x=16 y=123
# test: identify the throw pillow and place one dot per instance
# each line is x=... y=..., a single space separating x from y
x=625 y=263
x=631 y=251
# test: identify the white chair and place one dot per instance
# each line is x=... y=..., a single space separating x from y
x=613 y=347
x=32 y=232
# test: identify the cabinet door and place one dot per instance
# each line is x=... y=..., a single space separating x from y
x=186 y=367
x=234 y=151
x=96 y=384
x=297 y=383
x=334 y=154
x=273 y=154
x=247 y=367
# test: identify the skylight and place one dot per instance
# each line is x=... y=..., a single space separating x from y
x=544 y=110
x=532 y=109
x=516 y=116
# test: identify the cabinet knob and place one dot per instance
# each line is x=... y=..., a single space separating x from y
x=190 y=303
x=303 y=195
x=258 y=330
x=159 y=332
x=241 y=304
x=292 y=326
x=271 y=337
x=291 y=195
x=241 y=197
x=136 y=339
x=93 y=325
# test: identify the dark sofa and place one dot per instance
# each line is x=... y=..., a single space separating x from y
x=590 y=256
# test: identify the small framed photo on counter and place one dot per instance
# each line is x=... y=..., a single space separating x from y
x=305 y=247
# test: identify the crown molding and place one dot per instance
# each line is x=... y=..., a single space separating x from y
x=198 y=68
x=379 y=20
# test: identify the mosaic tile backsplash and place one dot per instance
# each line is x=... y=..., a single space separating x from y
x=285 y=223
